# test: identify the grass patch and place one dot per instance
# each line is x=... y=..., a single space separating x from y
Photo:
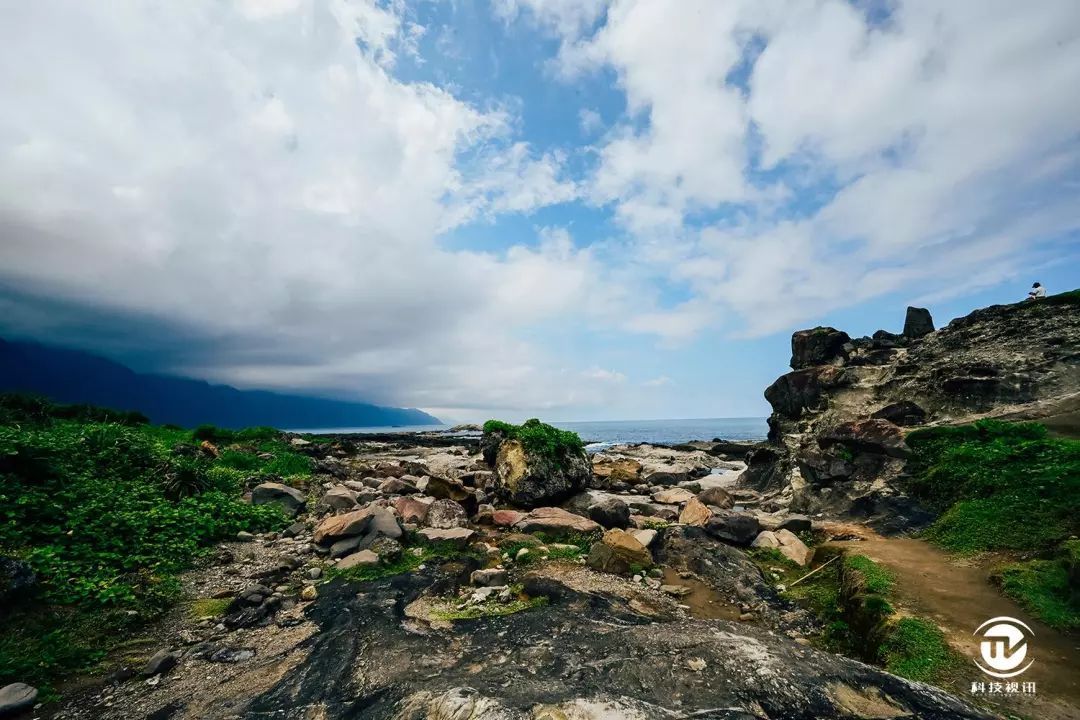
x=876 y=579
x=205 y=608
x=409 y=561
x=492 y=608
x=998 y=485
x=539 y=438
x=106 y=514
x=1043 y=587
x=917 y=650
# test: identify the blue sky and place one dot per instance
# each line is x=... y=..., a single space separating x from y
x=577 y=209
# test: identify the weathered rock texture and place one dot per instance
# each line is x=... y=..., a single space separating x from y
x=530 y=479
x=839 y=418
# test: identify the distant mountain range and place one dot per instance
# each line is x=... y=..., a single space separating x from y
x=73 y=376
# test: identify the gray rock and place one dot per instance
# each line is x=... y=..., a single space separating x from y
x=458 y=536
x=818 y=346
x=716 y=497
x=162 y=662
x=491 y=577
x=796 y=524
x=338 y=497
x=918 y=322
x=611 y=512
x=291 y=500
x=739 y=528
x=16 y=697
x=531 y=480
x=244 y=536
x=349 y=545
x=446 y=514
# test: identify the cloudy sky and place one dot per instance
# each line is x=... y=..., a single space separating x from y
x=577 y=209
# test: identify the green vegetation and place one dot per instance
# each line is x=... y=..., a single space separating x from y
x=209 y=607
x=1006 y=487
x=418 y=553
x=917 y=650
x=539 y=438
x=106 y=514
x=999 y=486
x=1047 y=588
x=492 y=608
x=875 y=579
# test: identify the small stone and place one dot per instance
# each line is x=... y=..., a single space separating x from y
x=309 y=593
x=244 y=536
x=675 y=590
x=746 y=616
x=520 y=554
x=492 y=577
x=696 y=664
x=314 y=573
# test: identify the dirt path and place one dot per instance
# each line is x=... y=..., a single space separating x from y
x=958 y=597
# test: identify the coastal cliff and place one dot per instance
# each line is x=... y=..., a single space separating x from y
x=840 y=417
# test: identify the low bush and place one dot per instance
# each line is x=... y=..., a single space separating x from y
x=538 y=437
x=106 y=514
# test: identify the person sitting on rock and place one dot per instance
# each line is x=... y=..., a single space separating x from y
x=1037 y=291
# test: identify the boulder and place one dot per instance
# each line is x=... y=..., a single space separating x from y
x=610 y=470
x=412 y=509
x=386 y=548
x=818 y=346
x=717 y=497
x=162 y=662
x=918 y=323
x=339 y=497
x=555 y=521
x=491 y=577
x=646 y=537
x=291 y=500
x=695 y=513
x=665 y=478
x=619 y=552
x=531 y=479
x=446 y=514
x=872 y=435
x=16 y=697
x=489 y=446
x=904 y=413
x=348 y=546
x=445 y=489
x=793 y=548
x=506 y=518
x=766 y=539
x=458 y=536
x=796 y=523
x=362 y=559
x=738 y=528
x=369 y=522
x=672 y=496
x=397 y=486
x=611 y=512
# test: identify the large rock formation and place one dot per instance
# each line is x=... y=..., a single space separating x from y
x=528 y=478
x=839 y=418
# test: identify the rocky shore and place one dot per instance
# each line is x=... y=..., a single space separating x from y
x=409 y=586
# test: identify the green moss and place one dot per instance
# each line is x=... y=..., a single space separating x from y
x=419 y=553
x=539 y=438
x=998 y=485
x=917 y=650
x=876 y=579
x=204 y=608
x=1042 y=587
x=492 y=608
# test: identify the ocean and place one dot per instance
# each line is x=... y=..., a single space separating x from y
x=603 y=433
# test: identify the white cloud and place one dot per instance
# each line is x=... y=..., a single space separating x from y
x=946 y=128
x=659 y=381
x=246 y=171
x=590 y=120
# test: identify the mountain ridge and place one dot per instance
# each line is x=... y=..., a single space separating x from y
x=74 y=376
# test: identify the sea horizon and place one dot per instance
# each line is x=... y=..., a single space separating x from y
x=598 y=433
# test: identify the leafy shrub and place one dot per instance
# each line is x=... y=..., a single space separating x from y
x=538 y=437
x=106 y=515
x=34 y=409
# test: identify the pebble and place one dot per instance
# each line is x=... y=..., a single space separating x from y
x=314 y=573
x=309 y=593
x=244 y=536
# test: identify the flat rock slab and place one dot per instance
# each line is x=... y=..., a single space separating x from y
x=556 y=521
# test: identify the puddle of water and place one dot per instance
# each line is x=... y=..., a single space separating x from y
x=702 y=601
